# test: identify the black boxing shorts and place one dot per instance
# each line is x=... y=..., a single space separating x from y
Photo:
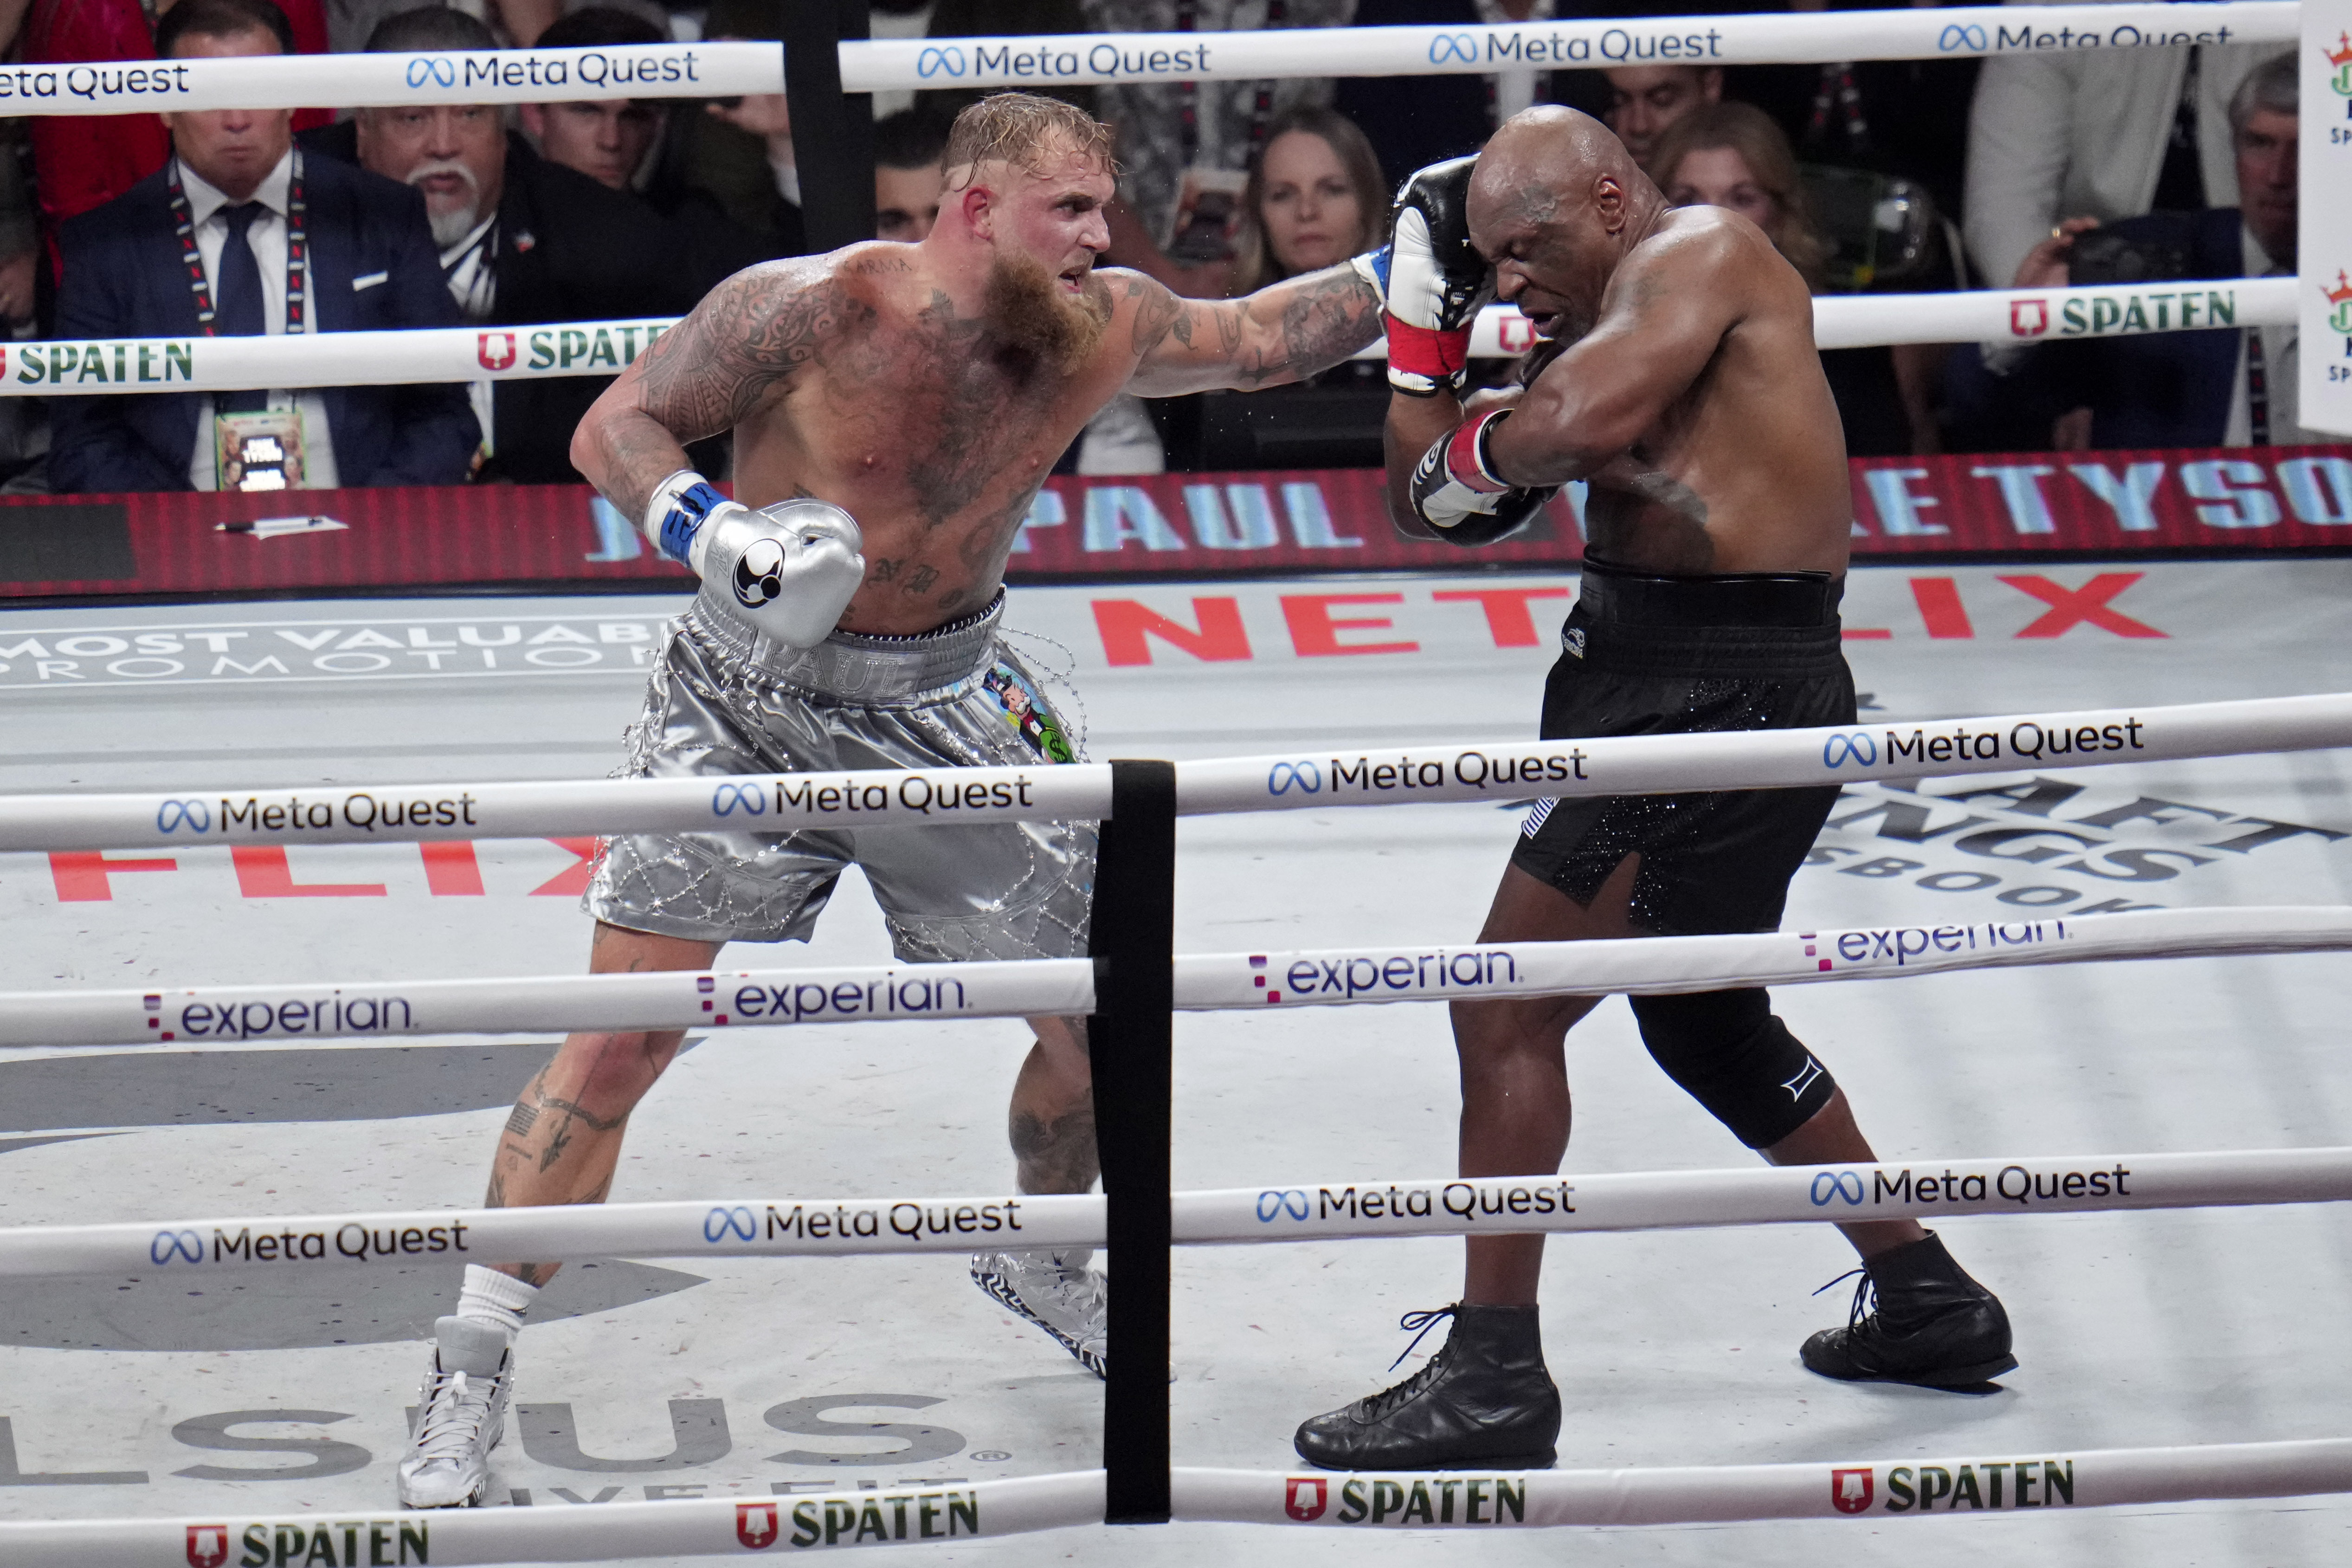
x=1667 y=656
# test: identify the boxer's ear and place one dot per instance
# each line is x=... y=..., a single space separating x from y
x=979 y=205
x=1609 y=202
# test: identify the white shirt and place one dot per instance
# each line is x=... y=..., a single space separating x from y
x=2282 y=367
x=266 y=238
x=474 y=283
x=2058 y=133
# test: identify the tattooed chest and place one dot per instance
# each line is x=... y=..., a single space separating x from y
x=946 y=433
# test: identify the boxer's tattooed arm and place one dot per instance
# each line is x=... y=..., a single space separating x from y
x=748 y=338
x=1282 y=333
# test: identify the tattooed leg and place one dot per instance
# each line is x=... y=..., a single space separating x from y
x=562 y=1140
x=1052 y=1120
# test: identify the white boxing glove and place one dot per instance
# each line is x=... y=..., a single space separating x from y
x=789 y=570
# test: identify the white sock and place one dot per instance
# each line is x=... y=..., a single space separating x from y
x=491 y=1297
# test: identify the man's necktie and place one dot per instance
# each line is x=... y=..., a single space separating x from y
x=237 y=307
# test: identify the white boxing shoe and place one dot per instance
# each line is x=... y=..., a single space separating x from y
x=461 y=1414
x=1057 y=1291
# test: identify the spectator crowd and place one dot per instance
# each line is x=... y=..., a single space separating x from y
x=2031 y=171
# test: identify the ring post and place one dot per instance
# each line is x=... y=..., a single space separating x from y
x=1132 y=937
x=834 y=130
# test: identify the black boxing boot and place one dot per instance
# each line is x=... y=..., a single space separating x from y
x=1484 y=1399
x=1934 y=1327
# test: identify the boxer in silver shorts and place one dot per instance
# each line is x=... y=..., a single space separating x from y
x=895 y=409
x=725 y=700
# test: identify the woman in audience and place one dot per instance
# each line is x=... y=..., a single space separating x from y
x=1315 y=198
x=1732 y=155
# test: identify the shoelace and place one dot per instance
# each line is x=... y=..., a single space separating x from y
x=453 y=1416
x=1421 y=1322
x=1418 y=1324
x=1865 y=1296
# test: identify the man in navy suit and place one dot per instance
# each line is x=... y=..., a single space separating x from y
x=367 y=262
x=2204 y=388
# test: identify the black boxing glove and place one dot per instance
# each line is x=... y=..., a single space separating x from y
x=1435 y=282
x=1456 y=492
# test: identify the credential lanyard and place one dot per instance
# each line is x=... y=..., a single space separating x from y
x=297 y=251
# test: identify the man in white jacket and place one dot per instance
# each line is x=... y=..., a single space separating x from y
x=2086 y=132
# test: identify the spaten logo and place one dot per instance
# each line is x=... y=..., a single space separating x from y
x=1282 y=776
x=1304 y=1498
x=425 y=68
x=755 y=1524
x=1858 y=745
x=1273 y=1205
x=727 y=797
x=932 y=61
x=495 y=351
x=720 y=1222
x=1454 y=47
x=171 y=1244
x=2028 y=318
x=1849 y=1489
x=207 y=1545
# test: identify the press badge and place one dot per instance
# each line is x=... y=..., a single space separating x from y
x=258 y=451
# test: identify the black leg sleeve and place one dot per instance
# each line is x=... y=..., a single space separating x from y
x=1732 y=1055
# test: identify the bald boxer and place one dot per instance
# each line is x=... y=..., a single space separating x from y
x=1678 y=377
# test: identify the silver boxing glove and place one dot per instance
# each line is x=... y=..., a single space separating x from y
x=789 y=570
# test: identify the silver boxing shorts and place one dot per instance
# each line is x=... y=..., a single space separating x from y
x=723 y=700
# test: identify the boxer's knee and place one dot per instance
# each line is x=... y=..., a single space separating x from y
x=1731 y=1053
x=606 y=1074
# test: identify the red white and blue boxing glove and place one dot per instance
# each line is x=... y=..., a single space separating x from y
x=789 y=570
x=1456 y=491
x=1435 y=282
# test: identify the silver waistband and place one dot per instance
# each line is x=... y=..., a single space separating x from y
x=851 y=666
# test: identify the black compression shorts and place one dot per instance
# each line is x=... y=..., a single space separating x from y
x=1661 y=656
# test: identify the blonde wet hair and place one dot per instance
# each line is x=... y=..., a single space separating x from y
x=1024 y=129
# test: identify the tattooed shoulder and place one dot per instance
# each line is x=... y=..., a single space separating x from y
x=748 y=339
x=1156 y=313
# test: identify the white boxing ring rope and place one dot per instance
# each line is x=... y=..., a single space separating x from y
x=724 y=70
x=1500 y=772
x=1861 y=1489
x=688 y=999
x=1351 y=1209
x=92 y=367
